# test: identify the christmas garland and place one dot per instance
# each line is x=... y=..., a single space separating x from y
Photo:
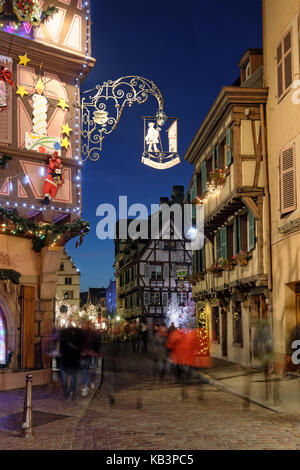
x=10 y=274
x=25 y=11
x=42 y=234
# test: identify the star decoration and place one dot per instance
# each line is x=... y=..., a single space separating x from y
x=23 y=59
x=66 y=129
x=21 y=91
x=65 y=143
x=62 y=103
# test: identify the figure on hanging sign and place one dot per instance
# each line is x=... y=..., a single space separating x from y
x=152 y=137
x=54 y=179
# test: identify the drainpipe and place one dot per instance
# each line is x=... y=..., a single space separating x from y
x=267 y=198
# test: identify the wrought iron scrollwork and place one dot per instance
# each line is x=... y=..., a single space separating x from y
x=101 y=112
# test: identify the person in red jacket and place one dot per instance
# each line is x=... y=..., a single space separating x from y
x=54 y=179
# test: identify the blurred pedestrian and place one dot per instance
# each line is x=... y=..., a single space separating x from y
x=144 y=337
x=70 y=346
x=159 y=351
x=90 y=350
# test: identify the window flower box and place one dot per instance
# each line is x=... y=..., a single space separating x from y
x=242 y=258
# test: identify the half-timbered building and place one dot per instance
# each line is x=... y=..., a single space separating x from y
x=147 y=272
x=232 y=272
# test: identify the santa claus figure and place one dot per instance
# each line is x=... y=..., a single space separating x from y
x=54 y=179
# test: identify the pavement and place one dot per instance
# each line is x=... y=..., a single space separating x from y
x=229 y=411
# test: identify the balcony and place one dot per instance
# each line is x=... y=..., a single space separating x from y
x=218 y=278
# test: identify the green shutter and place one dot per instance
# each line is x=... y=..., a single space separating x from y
x=203 y=177
x=223 y=237
x=251 y=222
x=218 y=238
x=202 y=259
x=237 y=234
x=228 y=147
x=194 y=262
x=194 y=193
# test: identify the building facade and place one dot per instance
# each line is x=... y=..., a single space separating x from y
x=147 y=273
x=232 y=271
x=111 y=302
x=38 y=117
x=281 y=36
x=68 y=284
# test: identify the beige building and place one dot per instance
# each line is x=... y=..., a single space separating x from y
x=68 y=283
x=231 y=273
x=281 y=36
x=48 y=63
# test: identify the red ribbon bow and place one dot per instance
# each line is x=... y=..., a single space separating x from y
x=6 y=76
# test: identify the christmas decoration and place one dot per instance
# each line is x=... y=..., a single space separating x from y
x=21 y=91
x=25 y=11
x=65 y=314
x=62 y=103
x=3 y=160
x=65 y=143
x=6 y=76
x=178 y=315
x=54 y=179
x=23 y=60
x=66 y=129
x=42 y=234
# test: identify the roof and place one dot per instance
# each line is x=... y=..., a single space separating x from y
x=95 y=294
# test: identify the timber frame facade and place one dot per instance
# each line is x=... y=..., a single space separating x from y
x=232 y=272
x=146 y=275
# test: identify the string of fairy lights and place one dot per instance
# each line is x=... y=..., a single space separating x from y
x=16 y=29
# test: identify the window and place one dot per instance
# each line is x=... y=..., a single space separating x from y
x=240 y=233
x=237 y=323
x=215 y=323
x=68 y=281
x=248 y=71
x=287 y=180
x=284 y=65
x=155 y=298
x=156 y=273
x=68 y=295
x=182 y=298
x=228 y=147
x=62 y=265
x=3 y=341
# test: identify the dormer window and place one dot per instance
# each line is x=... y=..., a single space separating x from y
x=247 y=71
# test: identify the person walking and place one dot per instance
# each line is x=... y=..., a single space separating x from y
x=90 y=349
x=70 y=346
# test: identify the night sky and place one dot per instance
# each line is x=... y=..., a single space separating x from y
x=190 y=50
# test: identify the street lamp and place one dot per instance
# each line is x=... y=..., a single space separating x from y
x=102 y=110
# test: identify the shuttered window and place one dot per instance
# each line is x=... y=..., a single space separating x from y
x=223 y=242
x=228 y=148
x=216 y=163
x=6 y=114
x=203 y=177
x=146 y=298
x=284 y=65
x=193 y=194
x=287 y=180
x=165 y=298
x=237 y=235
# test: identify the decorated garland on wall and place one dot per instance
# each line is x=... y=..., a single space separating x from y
x=26 y=11
x=42 y=234
x=10 y=274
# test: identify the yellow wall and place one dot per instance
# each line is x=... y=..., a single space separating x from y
x=283 y=125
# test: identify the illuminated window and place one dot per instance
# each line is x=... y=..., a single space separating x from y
x=3 y=339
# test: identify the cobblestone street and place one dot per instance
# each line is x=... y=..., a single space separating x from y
x=146 y=414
